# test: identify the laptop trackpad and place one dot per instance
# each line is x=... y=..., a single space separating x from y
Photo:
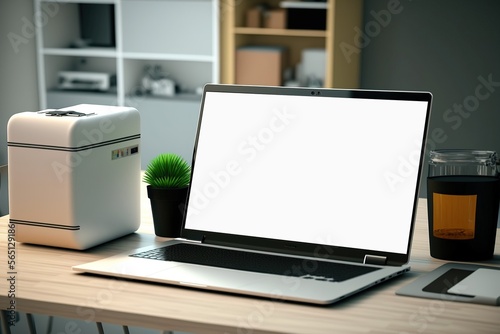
x=132 y=267
x=204 y=276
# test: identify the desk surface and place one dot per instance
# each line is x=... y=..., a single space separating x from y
x=45 y=284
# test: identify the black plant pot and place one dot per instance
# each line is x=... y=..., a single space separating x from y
x=168 y=207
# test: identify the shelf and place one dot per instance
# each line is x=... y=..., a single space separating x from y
x=280 y=32
x=304 y=5
x=163 y=56
x=109 y=92
x=181 y=36
x=342 y=19
x=177 y=97
x=104 y=2
x=188 y=75
x=169 y=27
x=81 y=52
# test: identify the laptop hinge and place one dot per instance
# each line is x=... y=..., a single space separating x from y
x=375 y=259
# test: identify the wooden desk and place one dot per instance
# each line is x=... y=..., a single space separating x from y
x=45 y=284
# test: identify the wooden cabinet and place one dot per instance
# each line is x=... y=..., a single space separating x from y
x=342 y=18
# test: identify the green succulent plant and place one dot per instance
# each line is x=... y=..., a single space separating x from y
x=168 y=170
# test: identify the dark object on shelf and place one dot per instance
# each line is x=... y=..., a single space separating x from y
x=97 y=24
x=306 y=18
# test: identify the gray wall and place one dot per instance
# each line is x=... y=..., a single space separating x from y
x=18 y=79
x=447 y=47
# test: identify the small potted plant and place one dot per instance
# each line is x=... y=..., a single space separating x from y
x=168 y=176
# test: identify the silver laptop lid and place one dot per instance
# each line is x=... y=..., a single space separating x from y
x=321 y=172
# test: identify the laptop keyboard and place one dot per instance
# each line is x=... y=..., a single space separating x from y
x=256 y=262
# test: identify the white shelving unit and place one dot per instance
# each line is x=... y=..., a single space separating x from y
x=181 y=36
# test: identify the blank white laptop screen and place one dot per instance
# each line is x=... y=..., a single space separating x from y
x=321 y=170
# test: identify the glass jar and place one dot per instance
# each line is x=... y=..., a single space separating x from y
x=463 y=196
x=462 y=162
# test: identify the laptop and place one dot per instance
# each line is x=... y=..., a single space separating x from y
x=296 y=194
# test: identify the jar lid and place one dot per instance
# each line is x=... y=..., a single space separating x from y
x=462 y=156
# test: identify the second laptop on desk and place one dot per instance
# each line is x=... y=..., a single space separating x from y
x=297 y=194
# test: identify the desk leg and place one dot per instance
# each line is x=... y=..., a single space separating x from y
x=31 y=323
x=5 y=322
x=100 y=329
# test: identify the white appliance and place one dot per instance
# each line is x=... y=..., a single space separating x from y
x=74 y=175
x=78 y=80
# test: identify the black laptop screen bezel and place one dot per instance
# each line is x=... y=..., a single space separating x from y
x=299 y=248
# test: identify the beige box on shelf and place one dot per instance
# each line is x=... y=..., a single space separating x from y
x=254 y=17
x=275 y=19
x=260 y=65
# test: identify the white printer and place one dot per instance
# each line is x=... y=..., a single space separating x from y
x=74 y=175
